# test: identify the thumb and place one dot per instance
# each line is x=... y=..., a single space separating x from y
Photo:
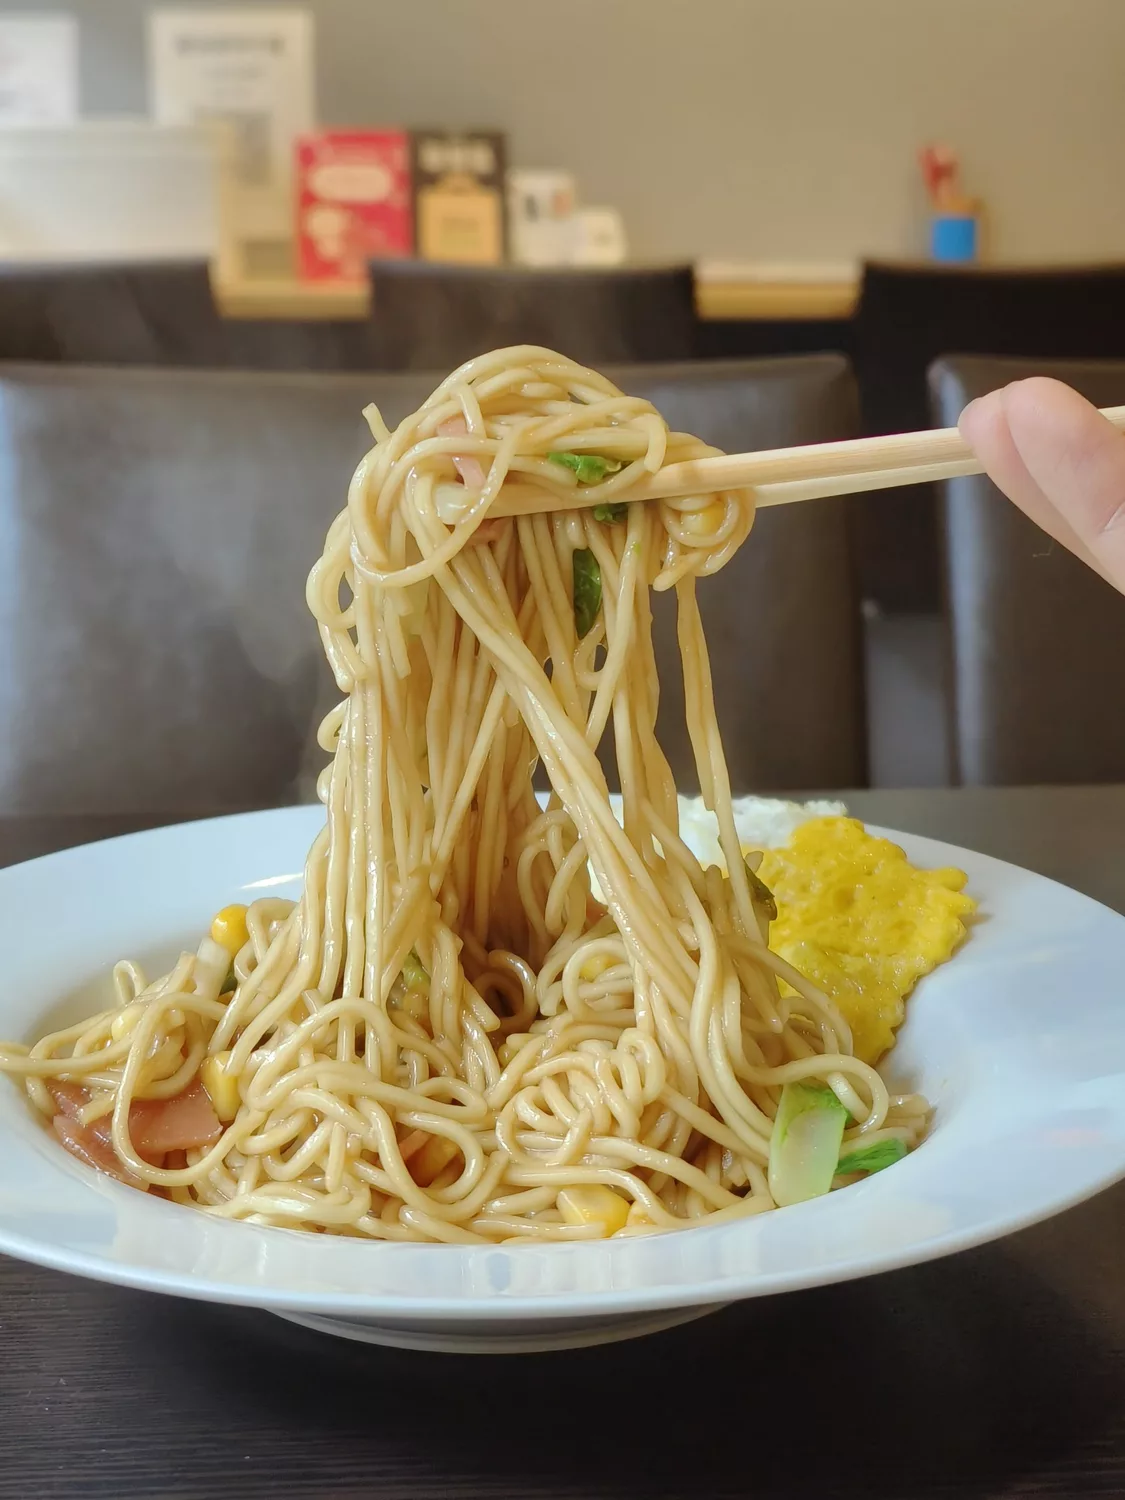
x=1077 y=460
x=985 y=427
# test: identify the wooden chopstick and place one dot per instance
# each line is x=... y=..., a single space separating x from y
x=780 y=476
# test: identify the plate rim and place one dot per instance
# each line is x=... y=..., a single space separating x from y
x=607 y=1302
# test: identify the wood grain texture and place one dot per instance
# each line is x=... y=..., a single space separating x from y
x=999 y=1372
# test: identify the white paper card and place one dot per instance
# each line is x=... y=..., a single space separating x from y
x=541 y=215
x=38 y=70
x=599 y=238
x=252 y=70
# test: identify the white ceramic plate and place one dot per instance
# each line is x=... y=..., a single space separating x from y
x=1020 y=1043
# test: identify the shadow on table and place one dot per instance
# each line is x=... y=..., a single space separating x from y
x=905 y=1384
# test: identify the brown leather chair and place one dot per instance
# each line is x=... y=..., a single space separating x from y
x=1036 y=640
x=782 y=618
x=157 y=313
x=428 y=316
x=157 y=526
x=907 y=317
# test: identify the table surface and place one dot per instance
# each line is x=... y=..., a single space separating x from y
x=1000 y=1371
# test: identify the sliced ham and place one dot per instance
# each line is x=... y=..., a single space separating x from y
x=69 y=1097
x=472 y=475
x=156 y=1126
x=177 y=1124
x=469 y=468
x=87 y=1144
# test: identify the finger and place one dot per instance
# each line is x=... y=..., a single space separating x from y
x=985 y=427
x=1077 y=459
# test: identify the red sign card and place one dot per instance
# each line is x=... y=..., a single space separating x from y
x=353 y=202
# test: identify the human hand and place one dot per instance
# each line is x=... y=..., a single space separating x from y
x=1061 y=462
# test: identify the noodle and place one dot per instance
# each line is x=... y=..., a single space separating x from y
x=452 y=1026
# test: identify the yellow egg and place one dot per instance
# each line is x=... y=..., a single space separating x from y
x=859 y=920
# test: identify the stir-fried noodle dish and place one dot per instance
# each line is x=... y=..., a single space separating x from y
x=491 y=1016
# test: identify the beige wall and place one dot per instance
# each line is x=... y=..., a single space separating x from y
x=778 y=129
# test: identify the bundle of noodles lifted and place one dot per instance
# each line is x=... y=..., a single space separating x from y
x=487 y=1019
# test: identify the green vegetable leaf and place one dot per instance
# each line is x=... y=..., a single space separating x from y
x=587 y=591
x=871 y=1158
x=591 y=468
x=414 y=973
x=805 y=1144
x=611 y=512
x=761 y=894
x=230 y=983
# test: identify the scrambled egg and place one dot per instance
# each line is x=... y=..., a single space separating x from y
x=855 y=917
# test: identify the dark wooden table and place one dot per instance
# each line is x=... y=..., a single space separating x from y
x=996 y=1372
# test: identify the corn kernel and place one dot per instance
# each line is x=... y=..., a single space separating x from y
x=432 y=1160
x=229 y=928
x=596 y=965
x=595 y=1204
x=221 y=1086
x=703 y=523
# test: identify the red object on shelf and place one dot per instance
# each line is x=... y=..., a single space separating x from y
x=941 y=171
x=353 y=202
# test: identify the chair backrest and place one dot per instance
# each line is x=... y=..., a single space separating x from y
x=429 y=316
x=156 y=313
x=782 y=618
x=907 y=317
x=157 y=527
x=1036 y=640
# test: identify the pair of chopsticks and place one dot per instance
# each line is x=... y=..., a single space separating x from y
x=780 y=476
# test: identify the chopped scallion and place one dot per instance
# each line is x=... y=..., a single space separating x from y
x=871 y=1158
x=805 y=1144
x=414 y=973
x=761 y=894
x=591 y=468
x=615 y=512
x=587 y=591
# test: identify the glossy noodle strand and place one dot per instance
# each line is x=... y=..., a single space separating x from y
x=482 y=1007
